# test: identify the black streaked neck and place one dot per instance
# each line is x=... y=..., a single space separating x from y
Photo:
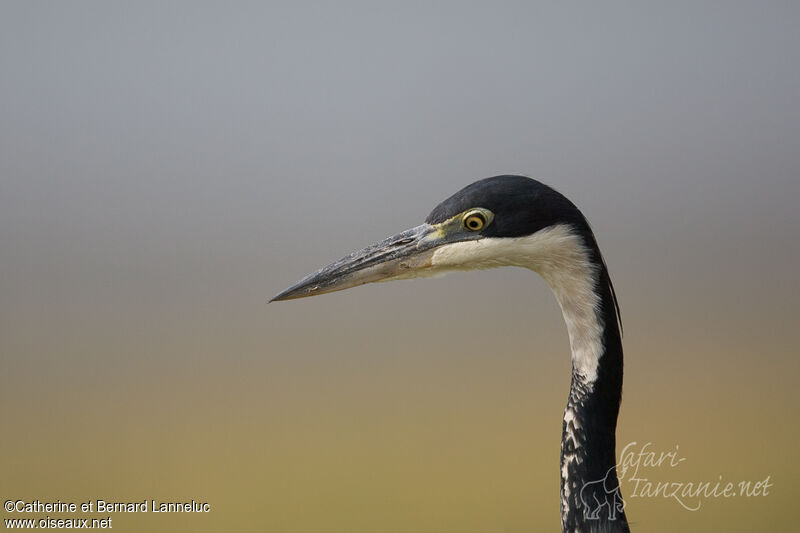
x=590 y=496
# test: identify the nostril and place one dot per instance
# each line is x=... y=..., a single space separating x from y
x=401 y=242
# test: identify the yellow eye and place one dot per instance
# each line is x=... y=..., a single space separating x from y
x=474 y=221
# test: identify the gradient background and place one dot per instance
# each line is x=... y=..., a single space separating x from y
x=165 y=168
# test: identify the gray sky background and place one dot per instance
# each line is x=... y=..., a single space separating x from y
x=192 y=146
x=166 y=167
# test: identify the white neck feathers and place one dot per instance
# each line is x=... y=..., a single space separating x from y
x=559 y=256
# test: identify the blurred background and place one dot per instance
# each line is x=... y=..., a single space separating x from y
x=166 y=168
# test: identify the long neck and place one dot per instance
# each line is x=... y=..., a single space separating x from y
x=590 y=496
x=568 y=259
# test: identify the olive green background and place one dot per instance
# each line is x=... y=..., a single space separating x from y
x=165 y=168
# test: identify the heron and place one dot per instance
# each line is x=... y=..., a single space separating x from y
x=518 y=221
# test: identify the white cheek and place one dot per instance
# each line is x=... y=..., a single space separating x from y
x=559 y=256
x=471 y=255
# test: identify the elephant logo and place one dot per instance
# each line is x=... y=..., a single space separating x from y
x=595 y=495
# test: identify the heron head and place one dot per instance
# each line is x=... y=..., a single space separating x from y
x=480 y=226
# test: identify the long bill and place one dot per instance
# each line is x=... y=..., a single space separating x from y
x=405 y=255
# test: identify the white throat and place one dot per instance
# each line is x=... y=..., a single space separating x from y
x=559 y=256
